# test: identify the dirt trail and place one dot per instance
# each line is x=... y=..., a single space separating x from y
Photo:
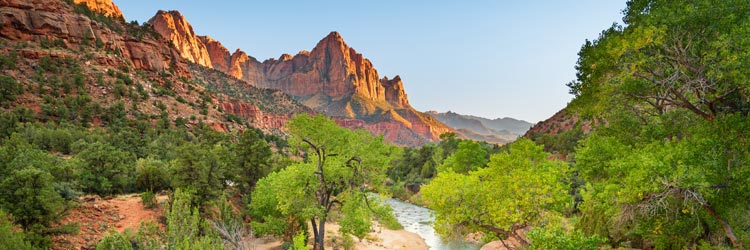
x=96 y=217
x=132 y=212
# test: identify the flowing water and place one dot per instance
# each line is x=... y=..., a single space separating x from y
x=418 y=220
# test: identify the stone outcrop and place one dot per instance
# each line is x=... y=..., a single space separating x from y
x=33 y=20
x=173 y=27
x=105 y=7
x=255 y=115
x=395 y=94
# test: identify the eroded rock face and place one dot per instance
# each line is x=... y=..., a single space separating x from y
x=395 y=94
x=256 y=116
x=173 y=27
x=245 y=67
x=331 y=68
x=217 y=53
x=30 y=20
x=106 y=7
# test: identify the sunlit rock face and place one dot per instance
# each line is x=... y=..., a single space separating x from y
x=31 y=20
x=105 y=7
x=173 y=27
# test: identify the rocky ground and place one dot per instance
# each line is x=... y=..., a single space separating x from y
x=97 y=216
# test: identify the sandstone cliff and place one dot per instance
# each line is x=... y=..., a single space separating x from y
x=173 y=27
x=105 y=7
x=217 y=53
x=245 y=67
x=36 y=20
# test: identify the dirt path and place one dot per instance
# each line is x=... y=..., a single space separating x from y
x=131 y=212
x=96 y=217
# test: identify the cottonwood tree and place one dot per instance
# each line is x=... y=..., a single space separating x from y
x=519 y=188
x=340 y=166
x=670 y=54
x=672 y=85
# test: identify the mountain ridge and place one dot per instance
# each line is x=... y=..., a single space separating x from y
x=498 y=130
x=332 y=78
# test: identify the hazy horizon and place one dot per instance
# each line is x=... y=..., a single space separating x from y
x=485 y=58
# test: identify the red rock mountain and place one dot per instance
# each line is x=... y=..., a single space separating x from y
x=105 y=7
x=332 y=78
x=121 y=49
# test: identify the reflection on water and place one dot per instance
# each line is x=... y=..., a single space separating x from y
x=418 y=220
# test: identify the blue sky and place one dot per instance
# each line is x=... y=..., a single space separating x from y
x=486 y=58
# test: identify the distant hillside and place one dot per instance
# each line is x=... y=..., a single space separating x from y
x=499 y=130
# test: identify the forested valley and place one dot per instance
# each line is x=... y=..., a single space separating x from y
x=659 y=157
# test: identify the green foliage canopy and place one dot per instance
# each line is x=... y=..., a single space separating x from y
x=517 y=189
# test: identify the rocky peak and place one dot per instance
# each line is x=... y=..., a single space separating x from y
x=217 y=53
x=395 y=93
x=245 y=67
x=173 y=26
x=105 y=7
x=332 y=68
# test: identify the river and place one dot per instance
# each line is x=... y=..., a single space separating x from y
x=418 y=220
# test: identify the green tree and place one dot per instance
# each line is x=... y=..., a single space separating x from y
x=672 y=85
x=340 y=163
x=9 y=89
x=29 y=195
x=107 y=169
x=468 y=157
x=185 y=228
x=670 y=54
x=151 y=175
x=11 y=239
x=252 y=158
x=517 y=189
x=203 y=168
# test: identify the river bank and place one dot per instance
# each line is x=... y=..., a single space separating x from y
x=380 y=238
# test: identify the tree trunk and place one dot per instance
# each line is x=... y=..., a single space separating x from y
x=321 y=234
x=724 y=225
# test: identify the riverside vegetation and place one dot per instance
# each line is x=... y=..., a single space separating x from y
x=664 y=167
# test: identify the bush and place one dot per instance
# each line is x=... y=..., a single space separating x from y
x=31 y=197
x=8 y=61
x=300 y=242
x=9 y=89
x=149 y=199
x=185 y=226
x=114 y=241
x=559 y=239
x=348 y=242
x=151 y=175
x=107 y=169
x=11 y=239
